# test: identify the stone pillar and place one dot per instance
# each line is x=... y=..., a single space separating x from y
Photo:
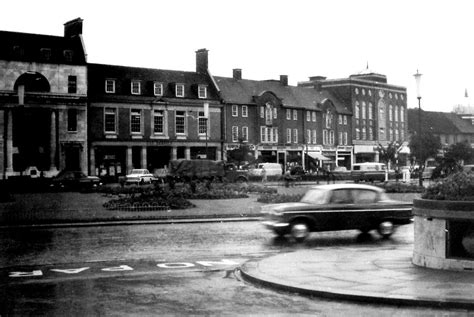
x=174 y=153
x=53 y=144
x=129 y=159
x=218 y=154
x=144 y=158
x=9 y=140
x=187 y=153
x=92 y=162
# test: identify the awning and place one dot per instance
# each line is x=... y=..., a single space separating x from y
x=318 y=156
x=404 y=150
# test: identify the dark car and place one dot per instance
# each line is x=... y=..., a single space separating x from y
x=338 y=207
x=75 y=180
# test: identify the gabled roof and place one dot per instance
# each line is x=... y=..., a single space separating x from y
x=439 y=122
x=243 y=91
x=30 y=45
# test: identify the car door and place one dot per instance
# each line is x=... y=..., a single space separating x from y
x=334 y=216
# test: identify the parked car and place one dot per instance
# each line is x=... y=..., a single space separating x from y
x=271 y=169
x=140 y=176
x=469 y=168
x=338 y=207
x=369 y=172
x=428 y=172
x=340 y=172
x=75 y=180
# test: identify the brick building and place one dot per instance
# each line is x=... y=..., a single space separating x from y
x=142 y=118
x=43 y=102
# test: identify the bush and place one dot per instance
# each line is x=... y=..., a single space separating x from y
x=458 y=186
x=400 y=187
x=276 y=198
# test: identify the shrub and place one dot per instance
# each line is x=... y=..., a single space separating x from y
x=458 y=186
x=276 y=198
x=400 y=187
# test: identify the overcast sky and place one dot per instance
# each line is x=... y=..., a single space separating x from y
x=268 y=38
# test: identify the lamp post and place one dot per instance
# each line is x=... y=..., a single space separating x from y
x=418 y=95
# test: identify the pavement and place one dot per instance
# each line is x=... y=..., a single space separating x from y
x=373 y=274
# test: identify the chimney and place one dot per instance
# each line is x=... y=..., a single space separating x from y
x=73 y=28
x=284 y=80
x=202 y=64
x=237 y=73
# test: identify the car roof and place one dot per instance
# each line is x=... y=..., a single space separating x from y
x=347 y=186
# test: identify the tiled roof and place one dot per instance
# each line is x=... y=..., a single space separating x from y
x=439 y=122
x=242 y=91
x=31 y=44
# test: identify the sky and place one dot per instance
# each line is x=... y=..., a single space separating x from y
x=269 y=38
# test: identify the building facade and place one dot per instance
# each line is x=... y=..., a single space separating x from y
x=379 y=111
x=143 y=118
x=43 y=102
x=293 y=126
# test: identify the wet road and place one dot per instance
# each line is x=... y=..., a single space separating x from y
x=175 y=269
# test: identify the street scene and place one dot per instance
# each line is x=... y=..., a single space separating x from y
x=236 y=158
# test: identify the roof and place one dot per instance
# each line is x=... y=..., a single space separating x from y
x=26 y=47
x=243 y=91
x=439 y=122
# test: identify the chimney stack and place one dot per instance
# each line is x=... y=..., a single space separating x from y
x=202 y=64
x=237 y=73
x=284 y=80
x=73 y=28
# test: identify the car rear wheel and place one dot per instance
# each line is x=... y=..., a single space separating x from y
x=299 y=230
x=386 y=229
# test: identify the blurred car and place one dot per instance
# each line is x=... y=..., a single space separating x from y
x=335 y=207
x=428 y=172
x=75 y=180
x=140 y=176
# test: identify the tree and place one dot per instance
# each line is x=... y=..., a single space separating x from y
x=422 y=147
x=455 y=157
x=388 y=154
x=240 y=154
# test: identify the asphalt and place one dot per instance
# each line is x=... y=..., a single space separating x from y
x=372 y=274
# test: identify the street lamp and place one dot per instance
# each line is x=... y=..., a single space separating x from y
x=418 y=95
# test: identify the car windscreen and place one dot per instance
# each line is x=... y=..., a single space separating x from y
x=315 y=196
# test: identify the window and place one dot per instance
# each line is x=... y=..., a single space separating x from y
x=345 y=120
x=68 y=55
x=274 y=112
x=314 y=137
x=179 y=90
x=110 y=86
x=202 y=91
x=262 y=112
x=390 y=113
x=245 y=111
x=345 y=138
x=110 y=119
x=235 y=110
x=158 y=122
x=364 y=133
x=357 y=110
x=18 y=51
x=180 y=125
x=288 y=114
x=158 y=89
x=288 y=135
x=371 y=111
x=364 y=110
x=135 y=121
x=313 y=114
x=268 y=135
x=72 y=120
x=308 y=115
x=135 y=87
x=72 y=84
x=340 y=141
x=396 y=113
x=371 y=133
x=235 y=133
x=45 y=54
x=295 y=135
x=245 y=134
x=295 y=115
x=402 y=115
x=331 y=137
x=202 y=123
x=339 y=117
x=325 y=137
x=308 y=136
x=357 y=130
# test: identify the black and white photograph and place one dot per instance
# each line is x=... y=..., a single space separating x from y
x=236 y=158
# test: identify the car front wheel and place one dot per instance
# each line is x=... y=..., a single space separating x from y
x=386 y=229
x=299 y=230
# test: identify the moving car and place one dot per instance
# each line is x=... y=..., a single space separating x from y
x=140 y=176
x=338 y=207
x=75 y=180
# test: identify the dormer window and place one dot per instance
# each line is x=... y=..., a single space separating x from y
x=68 y=55
x=110 y=86
x=158 y=89
x=179 y=90
x=45 y=54
x=202 y=91
x=135 y=87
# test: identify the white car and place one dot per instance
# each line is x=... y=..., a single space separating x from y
x=140 y=176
